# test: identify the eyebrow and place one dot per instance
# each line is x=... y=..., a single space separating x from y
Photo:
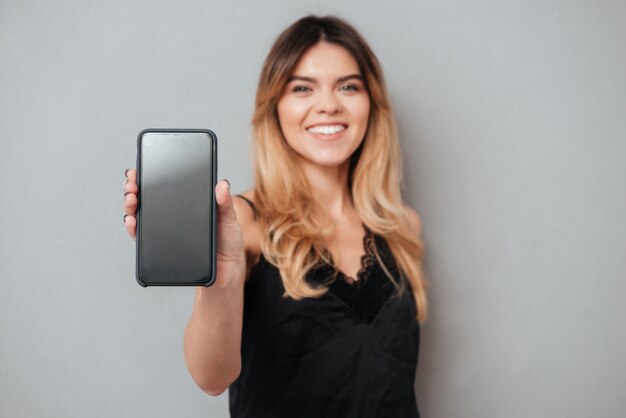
x=313 y=80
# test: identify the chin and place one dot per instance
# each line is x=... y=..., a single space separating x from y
x=328 y=161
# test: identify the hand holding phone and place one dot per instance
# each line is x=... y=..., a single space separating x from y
x=176 y=220
x=230 y=250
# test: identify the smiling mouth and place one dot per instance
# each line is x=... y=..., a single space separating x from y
x=326 y=129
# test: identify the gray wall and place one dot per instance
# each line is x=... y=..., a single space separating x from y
x=512 y=117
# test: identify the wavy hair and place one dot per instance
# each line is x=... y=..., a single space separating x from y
x=292 y=234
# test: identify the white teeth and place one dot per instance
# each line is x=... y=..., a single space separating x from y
x=326 y=129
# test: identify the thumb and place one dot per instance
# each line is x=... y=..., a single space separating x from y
x=225 y=208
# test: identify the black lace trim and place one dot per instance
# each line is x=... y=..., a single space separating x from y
x=367 y=260
x=368 y=294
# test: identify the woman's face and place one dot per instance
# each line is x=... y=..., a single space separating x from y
x=323 y=111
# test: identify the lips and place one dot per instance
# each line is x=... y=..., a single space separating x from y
x=327 y=129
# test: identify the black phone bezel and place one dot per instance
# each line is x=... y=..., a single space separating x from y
x=211 y=279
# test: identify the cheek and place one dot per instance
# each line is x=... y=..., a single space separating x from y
x=290 y=113
x=290 y=116
x=361 y=111
x=366 y=107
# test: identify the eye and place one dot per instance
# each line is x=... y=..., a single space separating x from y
x=300 y=89
x=350 y=87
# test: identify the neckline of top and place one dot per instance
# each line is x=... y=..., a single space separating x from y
x=367 y=259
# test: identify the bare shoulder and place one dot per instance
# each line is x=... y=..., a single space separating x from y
x=243 y=209
x=250 y=228
x=415 y=222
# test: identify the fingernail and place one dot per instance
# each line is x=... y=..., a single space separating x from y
x=228 y=184
x=125 y=194
x=125 y=181
x=126 y=172
x=125 y=218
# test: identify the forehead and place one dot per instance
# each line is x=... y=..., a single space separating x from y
x=326 y=60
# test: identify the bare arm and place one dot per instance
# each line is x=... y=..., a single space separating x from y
x=212 y=342
x=213 y=338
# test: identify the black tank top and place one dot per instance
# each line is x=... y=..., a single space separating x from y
x=350 y=353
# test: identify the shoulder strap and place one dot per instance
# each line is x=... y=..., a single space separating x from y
x=249 y=202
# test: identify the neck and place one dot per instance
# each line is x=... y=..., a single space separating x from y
x=330 y=185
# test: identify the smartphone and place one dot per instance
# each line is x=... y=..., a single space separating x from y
x=176 y=210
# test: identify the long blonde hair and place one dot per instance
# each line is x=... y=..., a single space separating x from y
x=291 y=238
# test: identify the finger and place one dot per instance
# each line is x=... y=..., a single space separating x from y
x=130 y=186
x=130 y=203
x=131 y=225
x=131 y=174
x=225 y=208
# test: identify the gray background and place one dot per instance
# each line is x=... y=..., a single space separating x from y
x=512 y=116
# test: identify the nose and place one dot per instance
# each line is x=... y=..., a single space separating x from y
x=328 y=103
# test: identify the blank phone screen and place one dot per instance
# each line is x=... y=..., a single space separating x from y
x=175 y=213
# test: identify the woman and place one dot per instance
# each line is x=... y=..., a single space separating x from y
x=322 y=250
